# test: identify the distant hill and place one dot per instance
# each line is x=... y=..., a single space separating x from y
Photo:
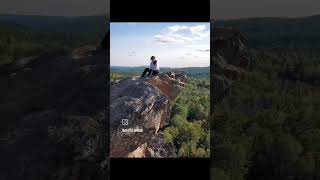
x=278 y=32
x=188 y=70
x=24 y=36
x=84 y=26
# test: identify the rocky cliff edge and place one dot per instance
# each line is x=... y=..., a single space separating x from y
x=138 y=109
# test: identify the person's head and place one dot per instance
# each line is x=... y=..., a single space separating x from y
x=152 y=58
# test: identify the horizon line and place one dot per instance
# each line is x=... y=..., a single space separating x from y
x=161 y=67
x=264 y=17
x=63 y=16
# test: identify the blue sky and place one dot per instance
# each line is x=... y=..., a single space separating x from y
x=173 y=44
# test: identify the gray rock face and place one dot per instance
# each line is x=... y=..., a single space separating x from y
x=53 y=122
x=229 y=58
x=146 y=105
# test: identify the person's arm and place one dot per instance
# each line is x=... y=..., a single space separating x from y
x=157 y=66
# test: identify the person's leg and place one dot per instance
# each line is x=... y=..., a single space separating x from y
x=155 y=73
x=150 y=72
x=145 y=71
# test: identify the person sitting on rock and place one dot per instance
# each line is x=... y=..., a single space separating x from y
x=153 y=70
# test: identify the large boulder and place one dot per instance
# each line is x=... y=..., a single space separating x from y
x=146 y=106
x=53 y=122
x=229 y=58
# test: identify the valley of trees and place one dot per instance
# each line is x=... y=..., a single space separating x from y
x=281 y=33
x=18 y=42
x=268 y=127
x=189 y=126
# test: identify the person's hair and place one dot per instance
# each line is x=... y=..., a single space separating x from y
x=152 y=57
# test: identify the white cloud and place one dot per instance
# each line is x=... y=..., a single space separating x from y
x=182 y=34
x=198 y=46
x=131 y=23
x=203 y=50
x=132 y=52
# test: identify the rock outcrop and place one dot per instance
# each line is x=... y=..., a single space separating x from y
x=146 y=106
x=229 y=60
x=53 y=122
